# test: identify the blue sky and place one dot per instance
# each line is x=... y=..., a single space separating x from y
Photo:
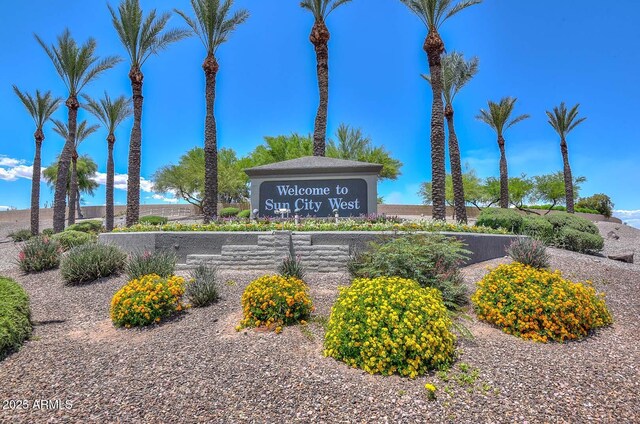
x=542 y=52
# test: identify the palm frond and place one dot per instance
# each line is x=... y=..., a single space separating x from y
x=111 y=113
x=433 y=13
x=564 y=121
x=498 y=116
x=40 y=107
x=321 y=9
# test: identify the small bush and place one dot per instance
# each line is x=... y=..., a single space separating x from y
x=245 y=214
x=202 y=290
x=21 y=235
x=538 y=304
x=496 y=218
x=274 y=301
x=229 y=212
x=48 y=232
x=529 y=252
x=578 y=241
x=561 y=220
x=598 y=202
x=88 y=262
x=292 y=267
x=147 y=300
x=91 y=226
x=431 y=260
x=71 y=238
x=162 y=263
x=390 y=325
x=15 y=322
x=39 y=254
x=153 y=220
x=538 y=228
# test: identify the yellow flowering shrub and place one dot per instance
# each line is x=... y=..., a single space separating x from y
x=390 y=325
x=147 y=300
x=274 y=301
x=538 y=304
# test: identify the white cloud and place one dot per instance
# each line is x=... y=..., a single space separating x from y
x=12 y=173
x=164 y=198
x=120 y=182
x=631 y=217
x=409 y=196
x=5 y=208
x=7 y=161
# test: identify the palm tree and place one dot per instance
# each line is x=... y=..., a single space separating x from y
x=40 y=107
x=77 y=66
x=456 y=73
x=564 y=121
x=319 y=37
x=141 y=37
x=87 y=169
x=433 y=13
x=83 y=131
x=213 y=24
x=111 y=113
x=499 y=118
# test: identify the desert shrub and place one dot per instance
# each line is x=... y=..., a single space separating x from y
x=539 y=304
x=202 y=290
x=48 y=232
x=431 y=260
x=88 y=262
x=147 y=300
x=39 y=254
x=274 y=301
x=229 y=212
x=530 y=252
x=21 y=235
x=153 y=220
x=578 y=241
x=162 y=263
x=507 y=219
x=91 y=226
x=561 y=220
x=537 y=227
x=72 y=238
x=390 y=325
x=292 y=267
x=598 y=202
x=15 y=322
x=244 y=214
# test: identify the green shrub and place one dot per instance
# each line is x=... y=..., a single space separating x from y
x=537 y=227
x=432 y=260
x=229 y=212
x=390 y=325
x=291 y=267
x=39 y=254
x=153 y=220
x=562 y=220
x=15 y=322
x=529 y=252
x=162 y=263
x=91 y=226
x=598 y=202
x=244 y=214
x=507 y=219
x=21 y=235
x=48 y=232
x=89 y=262
x=578 y=241
x=72 y=238
x=202 y=290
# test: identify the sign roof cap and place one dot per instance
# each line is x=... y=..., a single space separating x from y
x=314 y=165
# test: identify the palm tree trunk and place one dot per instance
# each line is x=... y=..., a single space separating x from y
x=35 y=184
x=111 y=139
x=210 y=200
x=78 y=198
x=60 y=196
x=504 y=175
x=73 y=188
x=135 y=147
x=568 y=178
x=434 y=47
x=320 y=39
x=459 y=204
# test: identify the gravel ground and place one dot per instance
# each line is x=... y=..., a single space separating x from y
x=197 y=368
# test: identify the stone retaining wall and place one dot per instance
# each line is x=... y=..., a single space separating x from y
x=318 y=251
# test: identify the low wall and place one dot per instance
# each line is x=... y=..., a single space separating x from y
x=318 y=251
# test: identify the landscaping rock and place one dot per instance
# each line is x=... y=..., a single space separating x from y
x=622 y=257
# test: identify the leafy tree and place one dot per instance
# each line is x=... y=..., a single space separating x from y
x=111 y=113
x=551 y=189
x=564 y=121
x=520 y=190
x=213 y=24
x=599 y=202
x=319 y=37
x=141 y=36
x=498 y=117
x=456 y=73
x=475 y=191
x=433 y=13
x=86 y=168
x=77 y=66
x=40 y=107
